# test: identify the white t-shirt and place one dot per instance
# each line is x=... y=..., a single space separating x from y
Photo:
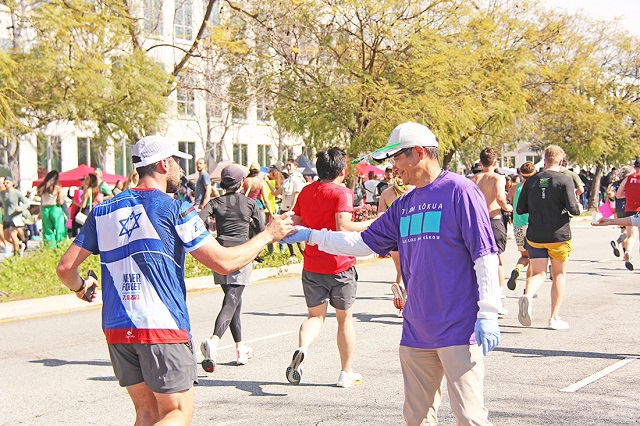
x=370 y=189
x=291 y=186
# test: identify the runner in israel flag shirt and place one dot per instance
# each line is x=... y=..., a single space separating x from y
x=143 y=289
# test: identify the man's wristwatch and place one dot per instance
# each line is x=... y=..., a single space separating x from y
x=82 y=287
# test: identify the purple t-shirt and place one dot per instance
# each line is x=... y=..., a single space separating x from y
x=440 y=230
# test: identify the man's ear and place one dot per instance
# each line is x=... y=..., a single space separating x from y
x=164 y=165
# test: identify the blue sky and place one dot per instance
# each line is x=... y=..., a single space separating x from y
x=626 y=11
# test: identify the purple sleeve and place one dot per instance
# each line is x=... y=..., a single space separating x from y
x=474 y=222
x=88 y=238
x=382 y=235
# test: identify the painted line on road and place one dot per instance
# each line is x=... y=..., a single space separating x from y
x=271 y=336
x=600 y=374
x=594 y=261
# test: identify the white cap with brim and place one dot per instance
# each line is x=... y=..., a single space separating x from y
x=406 y=135
x=152 y=149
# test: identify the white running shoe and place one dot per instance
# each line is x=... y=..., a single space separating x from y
x=348 y=379
x=244 y=353
x=294 y=370
x=524 y=310
x=209 y=353
x=558 y=324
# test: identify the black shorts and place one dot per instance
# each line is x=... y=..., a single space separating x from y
x=499 y=233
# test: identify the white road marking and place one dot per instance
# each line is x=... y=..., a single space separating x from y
x=594 y=261
x=600 y=374
x=271 y=336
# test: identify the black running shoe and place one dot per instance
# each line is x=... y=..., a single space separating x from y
x=511 y=284
x=616 y=250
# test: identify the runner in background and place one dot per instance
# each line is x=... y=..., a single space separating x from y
x=620 y=205
x=395 y=189
x=235 y=215
x=520 y=222
x=630 y=189
x=493 y=187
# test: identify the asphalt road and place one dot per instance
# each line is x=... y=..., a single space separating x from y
x=56 y=370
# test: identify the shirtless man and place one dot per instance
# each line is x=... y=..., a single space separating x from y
x=492 y=186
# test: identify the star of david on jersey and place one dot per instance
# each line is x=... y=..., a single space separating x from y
x=129 y=224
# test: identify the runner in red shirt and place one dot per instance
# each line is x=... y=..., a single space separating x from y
x=327 y=278
x=630 y=188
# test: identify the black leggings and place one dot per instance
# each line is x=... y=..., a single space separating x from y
x=229 y=315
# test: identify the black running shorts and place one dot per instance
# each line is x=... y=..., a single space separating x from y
x=499 y=233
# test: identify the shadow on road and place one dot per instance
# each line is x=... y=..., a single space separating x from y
x=53 y=362
x=254 y=387
x=548 y=352
x=362 y=317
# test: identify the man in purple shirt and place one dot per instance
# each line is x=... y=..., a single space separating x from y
x=450 y=267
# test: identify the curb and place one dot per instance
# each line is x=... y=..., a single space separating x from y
x=33 y=308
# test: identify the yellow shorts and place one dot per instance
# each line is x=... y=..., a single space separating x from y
x=556 y=251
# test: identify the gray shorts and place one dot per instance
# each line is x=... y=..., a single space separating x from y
x=240 y=277
x=339 y=289
x=163 y=367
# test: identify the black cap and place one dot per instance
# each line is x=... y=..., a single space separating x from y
x=637 y=162
x=231 y=175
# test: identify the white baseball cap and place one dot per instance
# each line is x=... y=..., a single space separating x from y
x=406 y=135
x=152 y=149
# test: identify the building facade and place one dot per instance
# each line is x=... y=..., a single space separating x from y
x=205 y=125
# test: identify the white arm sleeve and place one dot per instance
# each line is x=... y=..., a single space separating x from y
x=488 y=286
x=635 y=220
x=342 y=243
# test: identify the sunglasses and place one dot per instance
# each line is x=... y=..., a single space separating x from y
x=392 y=159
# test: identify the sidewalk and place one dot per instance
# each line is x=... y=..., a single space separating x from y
x=24 y=309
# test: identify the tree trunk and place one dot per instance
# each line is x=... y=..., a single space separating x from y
x=594 y=198
x=446 y=160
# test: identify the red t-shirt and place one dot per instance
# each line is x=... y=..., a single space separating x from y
x=317 y=205
x=632 y=189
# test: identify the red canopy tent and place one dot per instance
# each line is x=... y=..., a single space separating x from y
x=74 y=177
x=364 y=168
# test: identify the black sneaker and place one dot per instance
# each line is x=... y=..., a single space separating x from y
x=511 y=284
x=616 y=250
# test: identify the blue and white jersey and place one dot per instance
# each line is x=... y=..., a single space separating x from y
x=142 y=237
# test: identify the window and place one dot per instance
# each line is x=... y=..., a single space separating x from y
x=263 y=108
x=48 y=148
x=263 y=155
x=288 y=153
x=509 y=161
x=89 y=153
x=240 y=153
x=238 y=98
x=186 y=101
x=535 y=159
x=122 y=152
x=183 y=20
x=153 y=17
x=188 y=166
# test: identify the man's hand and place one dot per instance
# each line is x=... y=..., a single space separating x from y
x=301 y=235
x=280 y=226
x=605 y=221
x=88 y=290
x=487 y=334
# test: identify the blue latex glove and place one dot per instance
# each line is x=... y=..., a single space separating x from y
x=487 y=334
x=302 y=234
